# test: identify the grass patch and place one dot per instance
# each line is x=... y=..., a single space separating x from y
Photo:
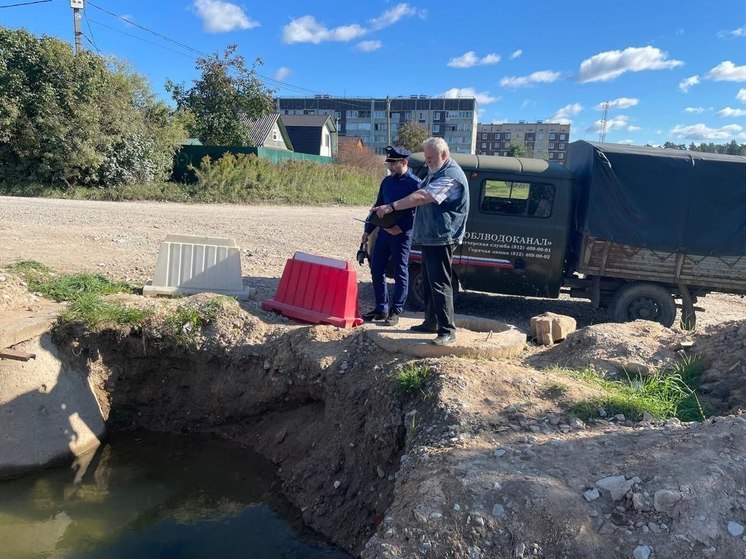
x=237 y=179
x=410 y=377
x=663 y=394
x=91 y=309
x=188 y=320
x=67 y=287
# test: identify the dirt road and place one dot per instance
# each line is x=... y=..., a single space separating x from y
x=120 y=240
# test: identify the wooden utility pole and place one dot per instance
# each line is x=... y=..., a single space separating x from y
x=77 y=5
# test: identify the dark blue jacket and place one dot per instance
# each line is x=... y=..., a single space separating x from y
x=393 y=189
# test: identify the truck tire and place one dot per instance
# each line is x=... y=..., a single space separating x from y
x=415 y=294
x=642 y=301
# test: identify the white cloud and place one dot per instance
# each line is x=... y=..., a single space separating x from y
x=368 y=46
x=620 y=103
x=684 y=85
x=219 y=16
x=629 y=142
x=730 y=112
x=609 y=65
x=741 y=95
x=727 y=72
x=740 y=32
x=563 y=115
x=307 y=30
x=703 y=132
x=281 y=73
x=516 y=54
x=619 y=122
x=470 y=58
x=391 y=16
x=482 y=97
x=694 y=110
x=543 y=76
x=632 y=128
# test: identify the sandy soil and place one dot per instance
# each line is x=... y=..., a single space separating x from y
x=120 y=239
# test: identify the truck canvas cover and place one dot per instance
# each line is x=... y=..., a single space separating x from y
x=661 y=199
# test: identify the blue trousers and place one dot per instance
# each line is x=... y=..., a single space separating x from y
x=394 y=248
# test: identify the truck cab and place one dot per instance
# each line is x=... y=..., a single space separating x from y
x=517 y=229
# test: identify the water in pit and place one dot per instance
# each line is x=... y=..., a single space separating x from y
x=149 y=495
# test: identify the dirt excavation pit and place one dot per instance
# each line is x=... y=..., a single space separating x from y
x=483 y=460
x=476 y=337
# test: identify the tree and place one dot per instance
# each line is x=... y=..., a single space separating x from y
x=411 y=135
x=69 y=119
x=226 y=95
x=518 y=149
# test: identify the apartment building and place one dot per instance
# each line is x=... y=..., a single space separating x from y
x=543 y=140
x=377 y=120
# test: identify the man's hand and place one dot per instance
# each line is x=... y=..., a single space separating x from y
x=364 y=238
x=382 y=210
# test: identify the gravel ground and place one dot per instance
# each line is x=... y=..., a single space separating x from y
x=120 y=240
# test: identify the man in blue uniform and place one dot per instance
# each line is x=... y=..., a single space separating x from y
x=440 y=226
x=392 y=243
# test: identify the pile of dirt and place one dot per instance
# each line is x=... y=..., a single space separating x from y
x=611 y=348
x=14 y=293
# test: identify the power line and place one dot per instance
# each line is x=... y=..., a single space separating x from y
x=266 y=79
x=92 y=40
x=192 y=57
x=182 y=45
x=25 y=3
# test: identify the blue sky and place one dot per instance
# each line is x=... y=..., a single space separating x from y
x=669 y=70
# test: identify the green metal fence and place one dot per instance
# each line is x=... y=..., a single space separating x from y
x=192 y=155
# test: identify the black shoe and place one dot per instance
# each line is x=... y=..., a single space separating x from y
x=445 y=339
x=374 y=315
x=424 y=328
x=392 y=319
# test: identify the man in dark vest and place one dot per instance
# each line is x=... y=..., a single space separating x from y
x=442 y=204
x=393 y=242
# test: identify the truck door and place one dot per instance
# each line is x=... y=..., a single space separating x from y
x=516 y=236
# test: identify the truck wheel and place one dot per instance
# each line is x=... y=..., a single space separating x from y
x=642 y=301
x=415 y=292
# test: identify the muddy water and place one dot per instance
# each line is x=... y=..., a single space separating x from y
x=152 y=495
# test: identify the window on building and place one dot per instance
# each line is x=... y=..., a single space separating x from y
x=484 y=145
x=436 y=116
x=562 y=146
x=422 y=116
x=381 y=126
x=464 y=114
x=506 y=136
x=540 y=136
x=516 y=198
x=337 y=115
x=436 y=128
x=484 y=136
x=274 y=135
x=451 y=115
x=563 y=137
x=560 y=155
x=351 y=114
x=363 y=125
x=552 y=136
x=379 y=114
x=551 y=145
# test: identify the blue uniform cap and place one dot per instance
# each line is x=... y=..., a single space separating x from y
x=394 y=153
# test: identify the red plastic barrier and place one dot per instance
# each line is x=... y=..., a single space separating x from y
x=317 y=289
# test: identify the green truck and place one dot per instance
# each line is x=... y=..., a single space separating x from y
x=632 y=229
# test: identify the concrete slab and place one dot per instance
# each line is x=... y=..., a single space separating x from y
x=47 y=410
x=17 y=326
x=475 y=337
